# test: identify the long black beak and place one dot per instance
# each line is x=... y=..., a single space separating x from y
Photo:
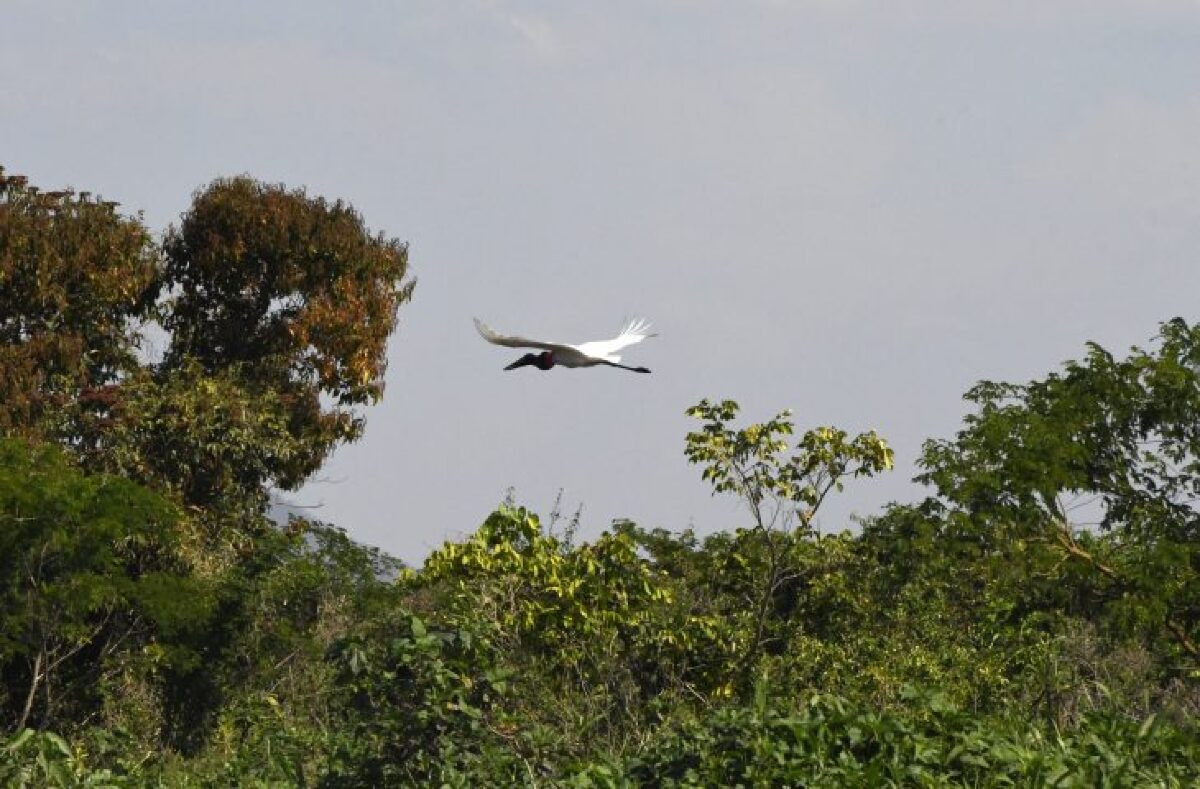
x=524 y=360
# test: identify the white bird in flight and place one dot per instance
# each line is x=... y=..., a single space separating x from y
x=587 y=354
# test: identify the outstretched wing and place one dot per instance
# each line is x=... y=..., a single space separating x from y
x=490 y=334
x=633 y=332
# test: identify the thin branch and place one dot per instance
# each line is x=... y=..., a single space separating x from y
x=1184 y=640
x=1067 y=540
x=33 y=686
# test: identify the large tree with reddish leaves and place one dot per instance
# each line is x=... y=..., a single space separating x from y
x=277 y=307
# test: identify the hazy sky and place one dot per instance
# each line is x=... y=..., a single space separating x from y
x=851 y=209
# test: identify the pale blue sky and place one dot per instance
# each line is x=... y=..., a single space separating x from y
x=851 y=209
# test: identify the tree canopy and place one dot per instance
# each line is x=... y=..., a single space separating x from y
x=1032 y=619
x=74 y=273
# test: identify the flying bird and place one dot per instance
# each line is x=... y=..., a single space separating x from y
x=587 y=354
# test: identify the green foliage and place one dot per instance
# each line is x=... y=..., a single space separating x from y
x=267 y=707
x=542 y=592
x=278 y=307
x=214 y=440
x=780 y=492
x=421 y=707
x=1002 y=631
x=831 y=741
x=751 y=463
x=598 y=618
x=85 y=564
x=43 y=759
x=1121 y=437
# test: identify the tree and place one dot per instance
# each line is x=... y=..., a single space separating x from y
x=87 y=568
x=293 y=297
x=278 y=307
x=1115 y=439
x=76 y=278
x=782 y=492
x=210 y=438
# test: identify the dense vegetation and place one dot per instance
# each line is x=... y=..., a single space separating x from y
x=157 y=628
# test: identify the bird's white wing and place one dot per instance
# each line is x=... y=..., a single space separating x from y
x=633 y=332
x=490 y=334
